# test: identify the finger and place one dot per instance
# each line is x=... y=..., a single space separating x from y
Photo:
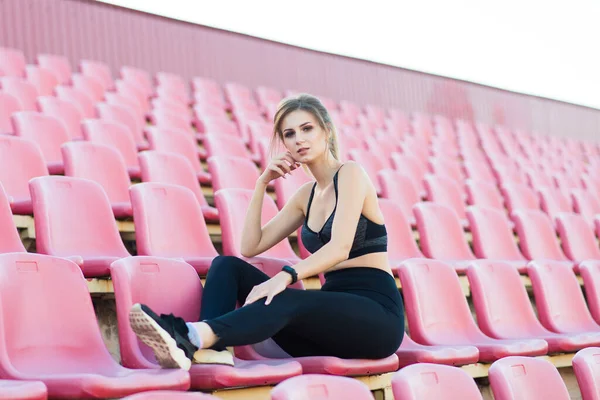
x=269 y=298
x=284 y=166
x=276 y=169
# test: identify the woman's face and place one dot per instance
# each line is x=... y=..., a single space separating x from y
x=303 y=136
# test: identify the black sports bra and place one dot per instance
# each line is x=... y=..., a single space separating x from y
x=369 y=237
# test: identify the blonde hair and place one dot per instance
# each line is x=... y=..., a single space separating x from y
x=313 y=105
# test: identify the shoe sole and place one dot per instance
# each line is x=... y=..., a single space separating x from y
x=209 y=356
x=152 y=334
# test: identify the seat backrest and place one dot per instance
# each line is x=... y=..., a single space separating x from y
x=48 y=132
x=43 y=79
x=526 y=378
x=225 y=145
x=537 y=237
x=587 y=372
x=129 y=102
x=446 y=167
x=10 y=242
x=172 y=168
x=577 y=237
x=484 y=194
x=99 y=163
x=401 y=243
x=123 y=115
x=585 y=202
x=90 y=85
x=64 y=111
x=553 y=201
x=112 y=134
x=425 y=381
x=399 y=188
x=174 y=141
x=438 y=311
x=370 y=163
x=230 y=172
x=443 y=190
x=80 y=99
x=285 y=188
x=441 y=235
x=99 y=70
x=59 y=65
x=23 y=91
x=589 y=270
x=8 y=105
x=169 y=222
x=232 y=205
x=520 y=196
x=29 y=299
x=479 y=171
x=560 y=303
x=501 y=302
x=411 y=166
x=137 y=76
x=152 y=281
x=12 y=62
x=492 y=234
x=20 y=160
x=168 y=118
x=538 y=179
x=321 y=387
x=73 y=217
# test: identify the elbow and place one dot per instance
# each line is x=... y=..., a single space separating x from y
x=247 y=252
x=344 y=251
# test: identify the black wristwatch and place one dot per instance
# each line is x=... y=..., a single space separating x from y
x=292 y=272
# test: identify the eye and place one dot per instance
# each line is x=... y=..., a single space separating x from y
x=288 y=134
x=307 y=128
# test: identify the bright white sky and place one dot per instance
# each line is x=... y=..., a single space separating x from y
x=547 y=48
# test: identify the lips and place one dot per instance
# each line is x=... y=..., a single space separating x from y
x=303 y=149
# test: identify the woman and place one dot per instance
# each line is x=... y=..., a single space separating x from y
x=358 y=312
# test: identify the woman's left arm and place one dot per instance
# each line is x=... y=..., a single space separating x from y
x=353 y=184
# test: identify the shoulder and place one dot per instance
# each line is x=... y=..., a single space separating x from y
x=301 y=196
x=351 y=171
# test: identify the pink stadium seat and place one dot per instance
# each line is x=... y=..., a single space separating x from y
x=445 y=191
x=89 y=85
x=412 y=167
x=229 y=172
x=267 y=95
x=126 y=116
x=169 y=223
x=80 y=99
x=434 y=382
x=10 y=242
x=12 y=62
x=131 y=90
x=215 y=124
x=285 y=188
x=443 y=316
x=493 y=237
x=73 y=219
x=104 y=165
x=553 y=201
x=370 y=163
x=20 y=89
x=401 y=243
x=22 y=390
x=117 y=136
x=138 y=77
x=590 y=272
x=484 y=194
x=399 y=188
x=47 y=132
x=447 y=167
x=538 y=179
x=43 y=80
x=321 y=387
x=166 y=167
x=173 y=120
x=151 y=281
x=226 y=145
x=8 y=105
x=59 y=65
x=585 y=203
x=441 y=235
x=131 y=103
x=232 y=205
x=525 y=378
x=537 y=237
x=170 y=395
x=587 y=372
x=560 y=303
x=70 y=358
x=173 y=141
x=411 y=352
x=161 y=104
x=504 y=310
x=64 y=111
x=577 y=237
x=519 y=196
x=20 y=160
x=98 y=70
x=479 y=171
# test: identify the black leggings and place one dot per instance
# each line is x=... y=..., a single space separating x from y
x=357 y=313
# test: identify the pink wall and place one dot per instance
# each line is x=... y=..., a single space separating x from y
x=86 y=29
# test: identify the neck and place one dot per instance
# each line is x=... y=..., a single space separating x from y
x=324 y=169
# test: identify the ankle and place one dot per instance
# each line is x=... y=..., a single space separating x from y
x=193 y=335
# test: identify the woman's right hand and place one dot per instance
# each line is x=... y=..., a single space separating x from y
x=279 y=166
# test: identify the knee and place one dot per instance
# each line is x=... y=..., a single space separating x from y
x=223 y=262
